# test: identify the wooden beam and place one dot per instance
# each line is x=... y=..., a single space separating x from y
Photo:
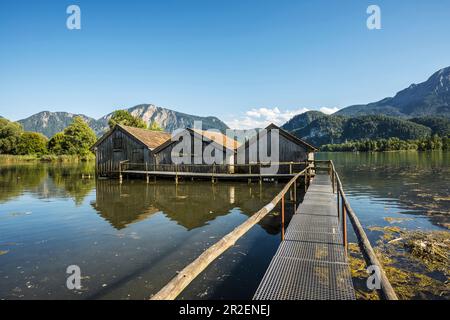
x=189 y=273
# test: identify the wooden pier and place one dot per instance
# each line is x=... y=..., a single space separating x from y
x=214 y=172
x=311 y=262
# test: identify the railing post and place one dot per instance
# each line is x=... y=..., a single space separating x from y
x=333 y=178
x=338 y=194
x=344 y=225
x=282 y=218
x=295 y=195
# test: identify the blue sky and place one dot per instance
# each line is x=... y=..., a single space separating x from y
x=240 y=60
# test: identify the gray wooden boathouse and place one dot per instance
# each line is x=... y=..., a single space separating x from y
x=124 y=143
x=143 y=151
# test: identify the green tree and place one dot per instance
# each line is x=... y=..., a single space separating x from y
x=10 y=133
x=56 y=143
x=32 y=143
x=154 y=126
x=76 y=139
x=125 y=118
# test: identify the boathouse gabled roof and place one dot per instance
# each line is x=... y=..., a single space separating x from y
x=214 y=136
x=219 y=138
x=291 y=137
x=152 y=139
x=285 y=134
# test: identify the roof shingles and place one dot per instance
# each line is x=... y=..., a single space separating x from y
x=151 y=139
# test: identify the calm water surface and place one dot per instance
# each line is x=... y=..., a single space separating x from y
x=129 y=240
x=413 y=185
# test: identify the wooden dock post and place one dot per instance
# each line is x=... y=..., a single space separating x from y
x=260 y=176
x=120 y=173
x=305 y=175
x=295 y=195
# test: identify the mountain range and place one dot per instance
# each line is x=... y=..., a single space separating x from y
x=417 y=111
x=49 y=123
x=429 y=98
x=420 y=110
x=318 y=128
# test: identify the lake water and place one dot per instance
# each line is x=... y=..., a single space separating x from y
x=129 y=240
x=398 y=185
x=406 y=191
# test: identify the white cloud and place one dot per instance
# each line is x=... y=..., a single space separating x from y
x=262 y=117
x=329 y=110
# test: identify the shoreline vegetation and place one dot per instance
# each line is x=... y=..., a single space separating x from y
x=47 y=158
x=392 y=144
x=73 y=144
x=414 y=261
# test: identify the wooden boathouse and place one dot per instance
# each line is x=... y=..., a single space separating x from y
x=290 y=148
x=134 y=151
x=214 y=144
x=124 y=143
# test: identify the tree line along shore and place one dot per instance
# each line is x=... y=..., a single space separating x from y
x=432 y=143
x=70 y=145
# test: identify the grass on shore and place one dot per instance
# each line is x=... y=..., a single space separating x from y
x=7 y=159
